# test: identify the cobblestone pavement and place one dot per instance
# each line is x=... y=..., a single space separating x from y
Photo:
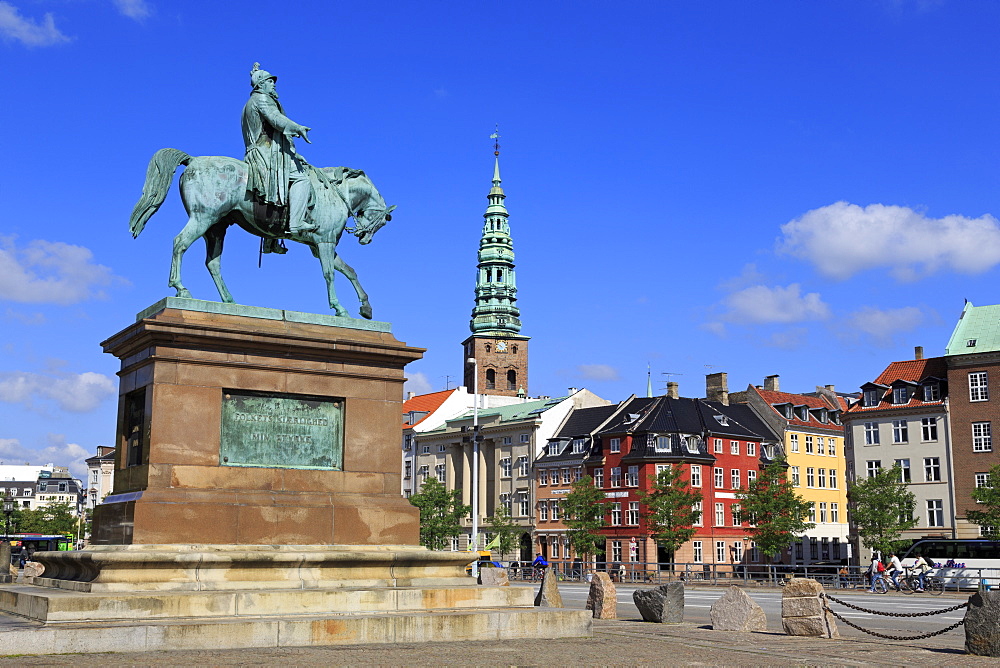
x=615 y=643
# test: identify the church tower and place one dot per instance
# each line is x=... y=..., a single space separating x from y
x=497 y=345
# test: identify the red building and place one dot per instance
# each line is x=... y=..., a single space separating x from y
x=719 y=447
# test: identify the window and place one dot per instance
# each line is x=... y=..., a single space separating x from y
x=616 y=476
x=928 y=429
x=522 y=466
x=567 y=476
x=425 y=449
x=813 y=549
x=794 y=441
x=523 y=504
x=442 y=448
x=616 y=551
x=734 y=478
x=577 y=473
x=720 y=551
x=833 y=478
x=663 y=444
x=423 y=472
x=835 y=514
x=554 y=447
x=717 y=446
x=616 y=513
x=505 y=467
x=543 y=476
x=615 y=445
x=491 y=379
x=809 y=445
x=935 y=513
x=810 y=477
x=696 y=475
x=932 y=392
x=751 y=449
x=751 y=477
x=632 y=516
x=831 y=447
x=871 y=398
x=698 y=508
x=693 y=445
x=632 y=477
x=555 y=549
x=735 y=513
x=508 y=440
x=525 y=438
x=795 y=476
x=900 y=395
x=407 y=444
x=505 y=502
x=874 y=466
x=932 y=469
x=720 y=478
x=697 y=555
x=871 y=433
x=578 y=445
x=599 y=478
x=900 y=434
x=439 y=472
x=720 y=515
x=978 y=386
x=543 y=510
x=734 y=447
x=820 y=445
x=738 y=551
x=812 y=513
x=822 y=512
x=821 y=478
x=982 y=480
x=904 y=469
x=407 y=468
x=982 y=439
x=554 y=508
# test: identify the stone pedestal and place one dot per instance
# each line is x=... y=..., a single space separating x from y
x=802 y=612
x=202 y=457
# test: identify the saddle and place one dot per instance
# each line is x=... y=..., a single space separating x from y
x=274 y=219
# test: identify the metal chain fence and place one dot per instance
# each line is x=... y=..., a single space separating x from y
x=886 y=636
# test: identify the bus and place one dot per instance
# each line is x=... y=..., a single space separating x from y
x=962 y=564
x=36 y=542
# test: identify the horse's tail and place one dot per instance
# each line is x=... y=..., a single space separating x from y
x=159 y=174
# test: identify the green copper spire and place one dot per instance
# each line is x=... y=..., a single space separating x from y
x=496 y=312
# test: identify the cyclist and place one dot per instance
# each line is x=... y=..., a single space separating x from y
x=895 y=569
x=539 y=564
x=921 y=567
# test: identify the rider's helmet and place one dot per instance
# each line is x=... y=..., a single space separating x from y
x=258 y=75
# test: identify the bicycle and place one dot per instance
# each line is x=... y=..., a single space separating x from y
x=910 y=583
x=879 y=585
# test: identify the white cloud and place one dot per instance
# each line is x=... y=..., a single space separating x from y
x=134 y=9
x=760 y=304
x=77 y=393
x=50 y=272
x=881 y=326
x=417 y=383
x=57 y=451
x=15 y=27
x=789 y=339
x=843 y=239
x=750 y=275
x=601 y=372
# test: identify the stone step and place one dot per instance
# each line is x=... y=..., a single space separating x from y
x=20 y=637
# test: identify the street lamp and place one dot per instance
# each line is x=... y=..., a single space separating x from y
x=8 y=510
x=475 y=463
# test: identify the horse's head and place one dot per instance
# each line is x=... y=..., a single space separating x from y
x=370 y=220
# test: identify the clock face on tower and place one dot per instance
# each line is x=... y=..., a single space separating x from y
x=501 y=346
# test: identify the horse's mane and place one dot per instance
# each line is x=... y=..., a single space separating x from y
x=340 y=174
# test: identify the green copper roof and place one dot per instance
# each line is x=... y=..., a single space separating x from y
x=510 y=413
x=977 y=331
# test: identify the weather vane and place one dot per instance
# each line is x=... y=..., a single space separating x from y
x=496 y=140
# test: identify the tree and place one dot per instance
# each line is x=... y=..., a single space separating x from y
x=670 y=508
x=583 y=515
x=56 y=518
x=987 y=515
x=775 y=513
x=506 y=533
x=441 y=513
x=882 y=509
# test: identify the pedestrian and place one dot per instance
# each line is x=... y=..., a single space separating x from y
x=895 y=569
x=875 y=569
x=921 y=567
x=842 y=576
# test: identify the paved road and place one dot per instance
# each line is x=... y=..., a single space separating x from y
x=698 y=602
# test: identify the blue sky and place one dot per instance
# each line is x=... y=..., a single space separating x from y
x=792 y=188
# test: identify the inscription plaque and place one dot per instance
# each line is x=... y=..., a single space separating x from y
x=282 y=431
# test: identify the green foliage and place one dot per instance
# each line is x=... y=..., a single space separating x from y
x=583 y=514
x=882 y=508
x=669 y=508
x=987 y=515
x=505 y=532
x=441 y=513
x=777 y=514
x=56 y=518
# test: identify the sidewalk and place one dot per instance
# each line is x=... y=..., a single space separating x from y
x=616 y=643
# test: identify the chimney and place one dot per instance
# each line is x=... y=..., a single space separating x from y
x=771 y=383
x=717 y=387
x=672 y=390
x=832 y=388
x=918 y=352
x=571 y=390
x=410 y=395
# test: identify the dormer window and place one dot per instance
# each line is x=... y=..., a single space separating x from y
x=553 y=448
x=871 y=398
x=631 y=417
x=835 y=417
x=932 y=392
x=578 y=445
x=663 y=444
x=722 y=419
x=693 y=444
x=971 y=343
x=900 y=394
x=802 y=413
x=788 y=411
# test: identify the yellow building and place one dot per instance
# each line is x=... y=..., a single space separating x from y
x=813 y=436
